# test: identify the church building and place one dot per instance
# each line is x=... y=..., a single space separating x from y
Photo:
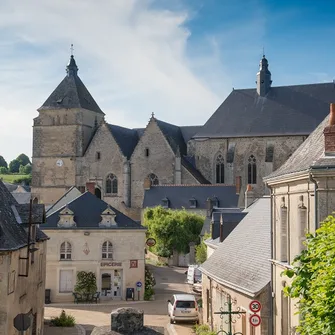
x=250 y=135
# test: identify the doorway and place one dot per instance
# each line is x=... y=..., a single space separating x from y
x=111 y=284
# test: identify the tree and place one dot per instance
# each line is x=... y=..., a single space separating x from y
x=313 y=281
x=172 y=229
x=25 y=169
x=201 y=250
x=3 y=162
x=3 y=170
x=14 y=165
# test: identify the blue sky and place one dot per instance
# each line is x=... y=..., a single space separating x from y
x=141 y=56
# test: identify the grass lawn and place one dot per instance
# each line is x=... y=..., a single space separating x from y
x=9 y=178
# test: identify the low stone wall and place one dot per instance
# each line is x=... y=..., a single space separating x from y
x=156 y=258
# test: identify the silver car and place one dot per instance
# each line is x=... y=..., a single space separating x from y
x=183 y=307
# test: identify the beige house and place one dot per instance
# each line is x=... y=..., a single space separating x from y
x=22 y=266
x=87 y=234
x=238 y=270
x=303 y=194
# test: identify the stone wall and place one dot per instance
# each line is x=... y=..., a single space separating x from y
x=22 y=294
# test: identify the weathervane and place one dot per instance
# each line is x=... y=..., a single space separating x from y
x=71 y=49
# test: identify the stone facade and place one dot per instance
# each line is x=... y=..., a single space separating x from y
x=215 y=295
x=126 y=265
x=20 y=294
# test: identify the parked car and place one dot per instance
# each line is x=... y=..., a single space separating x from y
x=193 y=274
x=183 y=307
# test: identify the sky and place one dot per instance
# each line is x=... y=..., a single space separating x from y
x=178 y=59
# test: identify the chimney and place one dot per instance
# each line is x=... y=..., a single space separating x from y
x=212 y=227
x=221 y=229
x=329 y=133
x=209 y=205
x=90 y=187
x=249 y=196
x=147 y=183
x=238 y=181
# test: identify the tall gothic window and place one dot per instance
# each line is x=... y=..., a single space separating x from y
x=107 y=250
x=153 y=179
x=252 y=170
x=219 y=169
x=111 y=184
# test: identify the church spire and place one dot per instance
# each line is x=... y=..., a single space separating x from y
x=72 y=68
x=263 y=77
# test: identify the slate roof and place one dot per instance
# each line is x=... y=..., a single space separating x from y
x=71 y=93
x=127 y=139
x=188 y=163
x=309 y=155
x=13 y=235
x=179 y=195
x=68 y=196
x=285 y=110
x=241 y=261
x=87 y=209
x=189 y=131
x=22 y=198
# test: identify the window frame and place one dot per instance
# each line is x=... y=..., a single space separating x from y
x=219 y=169
x=252 y=170
x=67 y=251
x=108 y=251
x=154 y=180
x=111 y=184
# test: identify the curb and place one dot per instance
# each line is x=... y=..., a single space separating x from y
x=81 y=330
x=169 y=330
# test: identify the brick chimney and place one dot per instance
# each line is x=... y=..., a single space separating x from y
x=249 y=196
x=90 y=187
x=238 y=181
x=329 y=133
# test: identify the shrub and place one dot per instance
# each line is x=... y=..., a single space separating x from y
x=203 y=330
x=64 y=320
x=86 y=282
x=3 y=170
x=148 y=293
x=24 y=180
x=150 y=282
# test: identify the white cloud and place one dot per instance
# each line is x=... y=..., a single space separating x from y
x=130 y=56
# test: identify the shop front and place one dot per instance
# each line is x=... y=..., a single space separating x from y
x=111 y=278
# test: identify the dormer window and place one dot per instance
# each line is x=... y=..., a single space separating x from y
x=165 y=203
x=108 y=218
x=66 y=218
x=193 y=203
x=215 y=202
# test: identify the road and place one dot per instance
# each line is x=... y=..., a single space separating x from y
x=168 y=281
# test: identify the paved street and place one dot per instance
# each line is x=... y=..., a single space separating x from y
x=168 y=282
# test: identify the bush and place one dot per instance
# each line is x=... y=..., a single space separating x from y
x=86 y=282
x=203 y=330
x=23 y=180
x=150 y=282
x=3 y=170
x=63 y=320
x=148 y=293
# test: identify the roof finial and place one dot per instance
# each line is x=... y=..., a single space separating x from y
x=153 y=115
x=72 y=49
x=263 y=53
x=72 y=68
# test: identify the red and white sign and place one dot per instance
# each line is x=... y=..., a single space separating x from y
x=255 y=306
x=255 y=320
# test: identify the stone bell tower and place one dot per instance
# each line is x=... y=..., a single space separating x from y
x=61 y=133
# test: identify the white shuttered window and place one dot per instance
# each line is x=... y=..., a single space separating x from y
x=65 y=281
x=283 y=232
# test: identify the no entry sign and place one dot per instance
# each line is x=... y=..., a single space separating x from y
x=255 y=306
x=255 y=320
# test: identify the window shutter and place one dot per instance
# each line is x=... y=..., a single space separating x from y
x=65 y=281
x=283 y=232
x=302 y=223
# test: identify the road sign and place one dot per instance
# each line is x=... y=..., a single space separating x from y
x=139 y=284
x=255 y=320
x=150 y=242
x=255 y=306
x=138 y=289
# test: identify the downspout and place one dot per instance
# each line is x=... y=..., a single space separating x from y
x=316 y=202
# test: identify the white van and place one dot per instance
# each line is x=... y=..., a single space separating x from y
x=193 y=274
x=183 y=307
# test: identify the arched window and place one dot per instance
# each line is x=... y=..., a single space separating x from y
x=111 y=184
x=65 y=251
x=252 y=170
x=97 y=193
x=35 y=200
x=107 y=250
x=219 y=165
x=153 y=179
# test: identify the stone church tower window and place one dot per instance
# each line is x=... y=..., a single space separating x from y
x=111 y=184
x=219 y=169
x=252 y=170
x=153 y=179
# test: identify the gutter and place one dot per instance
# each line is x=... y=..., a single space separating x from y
x=316 y=199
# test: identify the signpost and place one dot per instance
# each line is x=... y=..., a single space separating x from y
x=138 y=289
x=255 y=306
